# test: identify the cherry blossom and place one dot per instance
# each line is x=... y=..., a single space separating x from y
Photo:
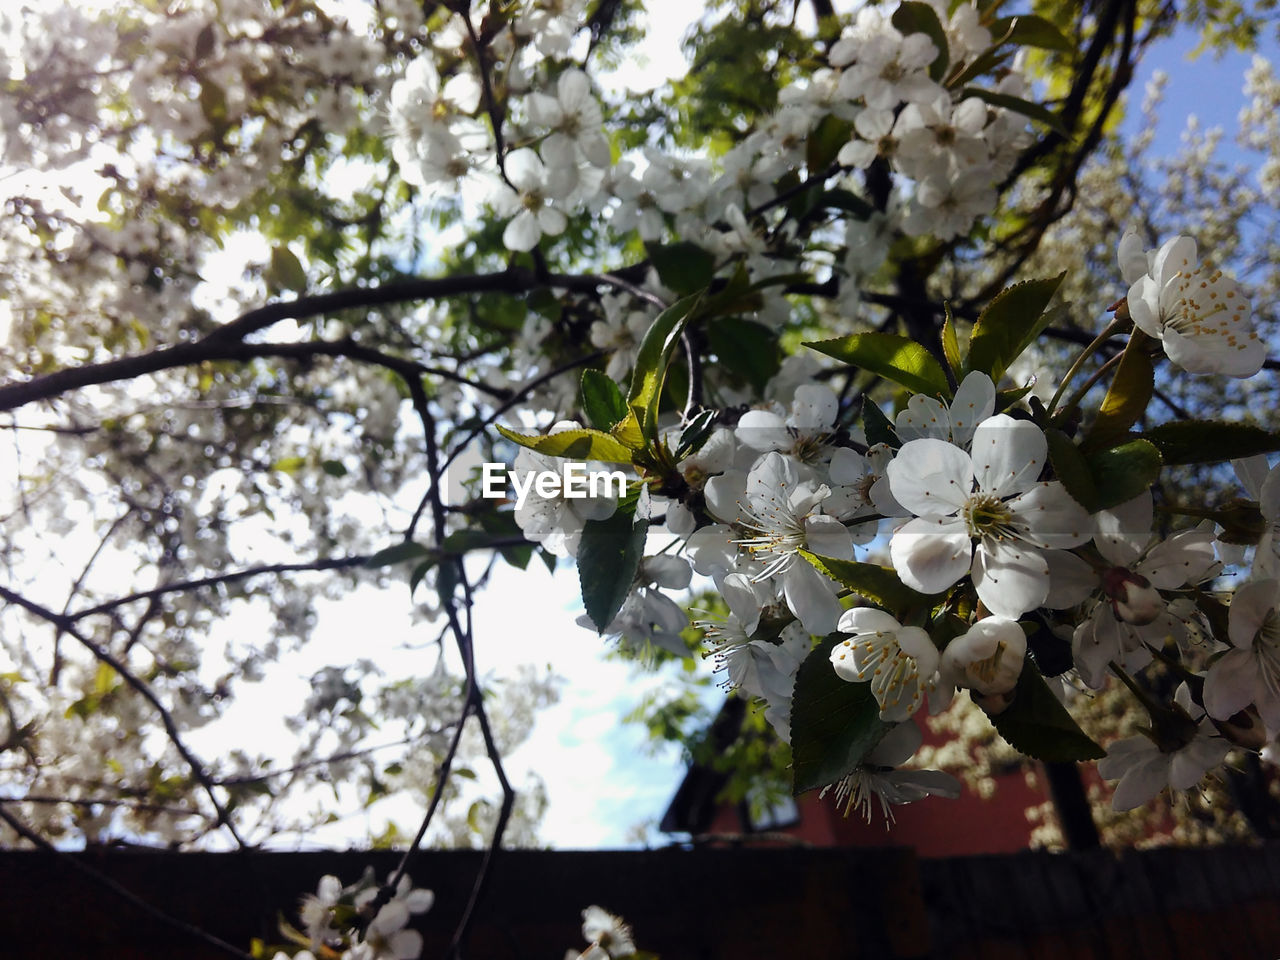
x=987 y=514
x=1200 y=315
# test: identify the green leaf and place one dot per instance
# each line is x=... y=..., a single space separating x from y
x=1122 y=472
x=1126 y=400
x=878 y=584
x=656 y=350
x=1011 y=322
x=581 y=444
x=890 y=356
x=609 y=555
x=419 y=572
x=834 y=723
x=1070 y=467
x=289 y=465
x=746 y=348
x=1032 y=111
x=915 y=17
x=602 y=400
x=682 y=266
x=839 y=199
x=985 y=62
x=879 y=427
x=334 y=468
x=206 y=42
x=1029 y=30
x=1037 y=725
x=1210 y=441
x=951 y=343
x=695 y=432
x=285 y=270
x=398 y=553
x=824 y=142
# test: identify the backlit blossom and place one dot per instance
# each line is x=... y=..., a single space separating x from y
x=1144 y=766
x=1199 y=314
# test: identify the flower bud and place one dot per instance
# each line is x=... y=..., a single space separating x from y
x=1133 y=599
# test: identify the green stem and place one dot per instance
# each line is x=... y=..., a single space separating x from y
x=1088 y=385
x=1114 y=327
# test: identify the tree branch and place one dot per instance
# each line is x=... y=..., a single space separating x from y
x=67 y=625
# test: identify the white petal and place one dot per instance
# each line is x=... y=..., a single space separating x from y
x=814 y=408
x=1133 y=257
x=861 y=620
x=1125 y=530
x=1071 y=579
x=918 y=645
x=847 y=466
x=828 y=537
x=763 y=430
x=1047 y=516
x=1011 y=578
x=930 y=477
x=974 y=402
x=522 y=233
x=897 y=746
x=810 y=598
x=1249 y=609
x=1252 y=473
x=574 y=89
x=1230 y=684
x=923 y=417
x=1008 y=455
x=552 y=221
x=524 y=169
x=1143 y=781
x=931 y=554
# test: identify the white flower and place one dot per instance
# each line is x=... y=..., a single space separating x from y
x=925 y=416
x=878 y=777
x=537 y=188
x=780 y=518
x=1263 y=485
x=804 y=433
x=901 y=662
x=573 y=114
x=987 y=515
x=1145 y=767
x=1250 y=672
x=317 y=910
x=1126 y=612
x=888 y=68
x=987 y=659
x=557 y=521
x=608 y=932
x=1201 y=316
x=648 y=616
x=941 y=132
x=946 y=205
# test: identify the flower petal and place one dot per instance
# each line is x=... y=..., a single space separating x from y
x=930 y=477
x=929 y=553
x=1008 y=455
x=1011 y=578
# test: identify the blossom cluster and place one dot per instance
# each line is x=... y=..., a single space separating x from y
x=979 y=525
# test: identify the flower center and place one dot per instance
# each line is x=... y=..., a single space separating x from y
x=986 y=670
x=988 y=517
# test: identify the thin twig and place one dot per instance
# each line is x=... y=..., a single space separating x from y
x=67 y=625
